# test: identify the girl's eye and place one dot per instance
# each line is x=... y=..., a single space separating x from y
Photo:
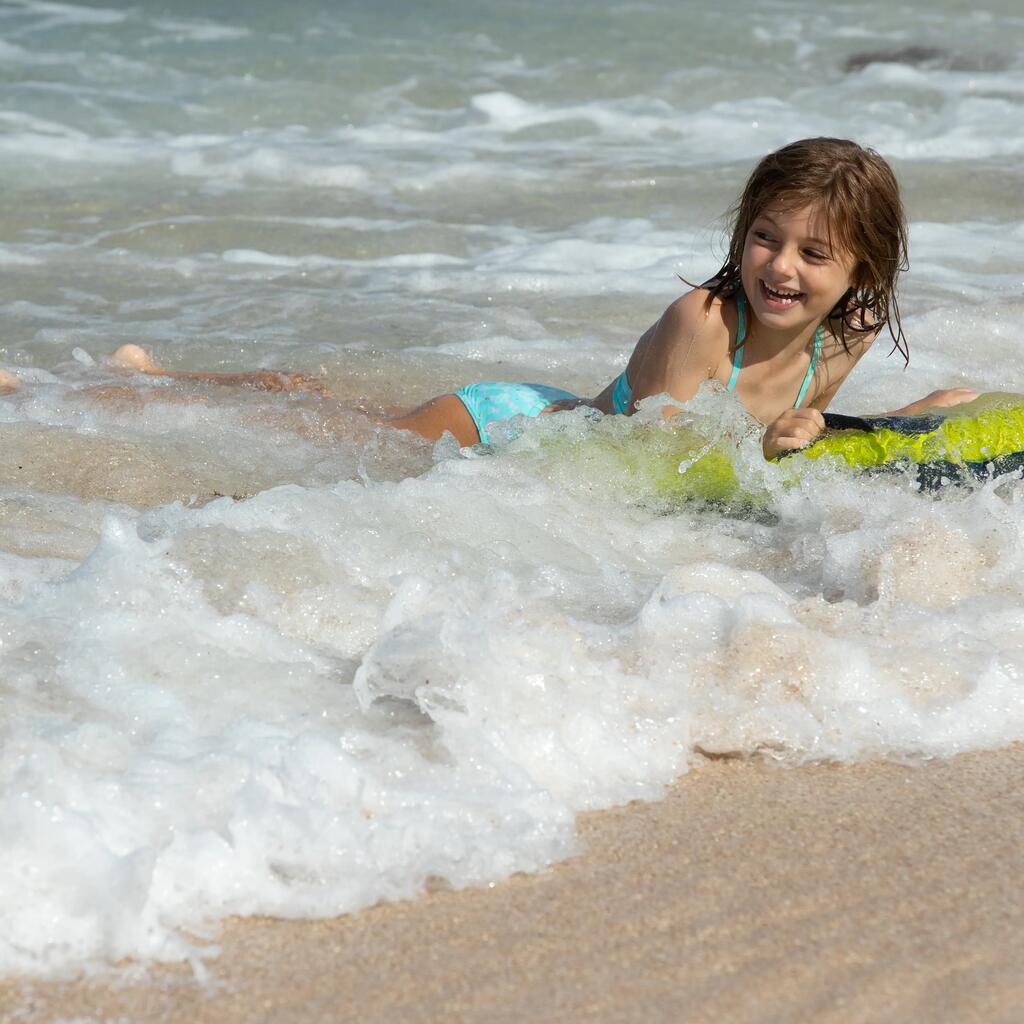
x=815 y=255
x=762 y=236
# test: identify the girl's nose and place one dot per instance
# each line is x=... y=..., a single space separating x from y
x=781 y=262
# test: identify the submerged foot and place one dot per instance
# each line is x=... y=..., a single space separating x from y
x=8 y=382
x=134 y=358
x=276 y=380
x=306 y=382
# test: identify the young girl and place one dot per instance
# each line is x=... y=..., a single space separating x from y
x=819 y=238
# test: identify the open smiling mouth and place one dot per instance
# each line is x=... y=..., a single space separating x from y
x=777 y=299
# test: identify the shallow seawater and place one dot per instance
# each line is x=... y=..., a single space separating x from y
x=259 y=656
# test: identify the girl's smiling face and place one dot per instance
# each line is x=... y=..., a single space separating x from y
x=792 y=276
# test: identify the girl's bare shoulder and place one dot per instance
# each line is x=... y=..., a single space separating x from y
x=698 y=319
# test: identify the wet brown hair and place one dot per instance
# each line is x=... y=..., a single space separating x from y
x=857 y=192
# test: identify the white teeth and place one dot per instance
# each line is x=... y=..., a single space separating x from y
x=785 y=296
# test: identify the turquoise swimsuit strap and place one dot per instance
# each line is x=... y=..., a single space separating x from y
x=819 y=334
x=741 y=335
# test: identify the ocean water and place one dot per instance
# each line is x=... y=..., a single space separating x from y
x=260 y=657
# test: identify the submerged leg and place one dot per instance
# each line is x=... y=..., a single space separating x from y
x=137 y=360
x=432 y=419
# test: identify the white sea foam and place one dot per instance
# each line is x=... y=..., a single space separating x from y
x=319 y=698
x=58 y=143
x=53 y=13
x=200 y=31
x=269 y=164
x=12 y=257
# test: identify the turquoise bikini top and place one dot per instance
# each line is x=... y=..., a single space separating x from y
x=741 y=336
x=622 y=392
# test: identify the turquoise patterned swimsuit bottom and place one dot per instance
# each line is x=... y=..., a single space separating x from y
x=493 y=401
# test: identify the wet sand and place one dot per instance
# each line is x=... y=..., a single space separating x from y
x=873 y=892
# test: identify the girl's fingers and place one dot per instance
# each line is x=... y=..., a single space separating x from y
x=807 y=428
x=802 y=417
x=955 y=396
x=784 y=443
x=797 y=436
x=794 y=429
x=811 y=416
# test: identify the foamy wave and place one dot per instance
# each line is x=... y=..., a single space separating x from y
x=268 y=164
x=13 y=258
x=200 y=31
x=53 y=13
x=323 y=697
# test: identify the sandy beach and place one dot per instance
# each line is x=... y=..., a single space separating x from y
x=872 y=892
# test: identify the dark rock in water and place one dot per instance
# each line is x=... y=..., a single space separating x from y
x=934 y=57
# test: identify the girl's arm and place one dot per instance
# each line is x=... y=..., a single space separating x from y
x=677 y=354
x=937 y=400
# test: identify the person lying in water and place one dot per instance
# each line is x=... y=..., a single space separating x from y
x=818 y=242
